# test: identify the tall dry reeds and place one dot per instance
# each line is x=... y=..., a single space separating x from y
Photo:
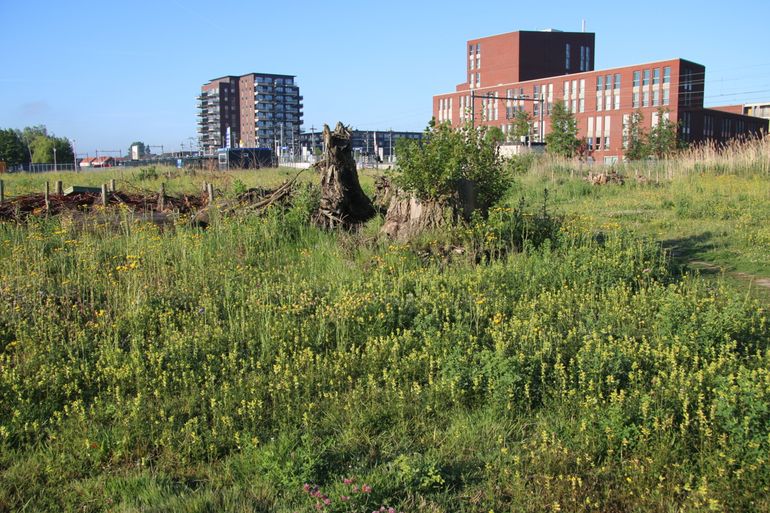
x=749 y=156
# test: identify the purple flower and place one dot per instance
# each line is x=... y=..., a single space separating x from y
x=366 y=488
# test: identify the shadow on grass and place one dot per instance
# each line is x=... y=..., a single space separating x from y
x=693 y=248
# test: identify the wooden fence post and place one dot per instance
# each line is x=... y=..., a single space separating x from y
x=112 y=185
x=47 y=192
x=162 y=197
x=104 y=194
x=2 y=191
x=59 y=189
x=210 y=192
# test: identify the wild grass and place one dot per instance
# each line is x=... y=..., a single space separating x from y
x=178 y=369
x=177 y=181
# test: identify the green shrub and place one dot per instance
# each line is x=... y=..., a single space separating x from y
x=433 y=169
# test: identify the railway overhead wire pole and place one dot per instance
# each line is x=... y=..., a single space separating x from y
x=489 y=96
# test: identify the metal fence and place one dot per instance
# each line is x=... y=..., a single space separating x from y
x=41 y=168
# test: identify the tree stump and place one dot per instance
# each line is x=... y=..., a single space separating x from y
x=343 y=202
x=408 y=216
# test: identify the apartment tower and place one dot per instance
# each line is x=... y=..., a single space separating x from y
x=257 y=110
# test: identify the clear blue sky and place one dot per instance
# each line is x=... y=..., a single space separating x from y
x=109 y=73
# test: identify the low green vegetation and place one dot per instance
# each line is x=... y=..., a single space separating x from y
x=433 y=169
x=561 y=360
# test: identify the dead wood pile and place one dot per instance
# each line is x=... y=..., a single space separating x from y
x=343 y=202
x=22 y=207
x=153 y=206
x=605 y=178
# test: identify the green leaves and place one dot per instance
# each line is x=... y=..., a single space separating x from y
x=12 y=150
x=659 y=142
x=432 y=170
x=562 y=140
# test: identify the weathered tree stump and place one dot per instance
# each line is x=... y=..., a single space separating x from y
x=408 y=215
x=343 y=202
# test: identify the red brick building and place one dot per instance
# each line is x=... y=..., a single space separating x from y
x=552 y=66
x=253 y=110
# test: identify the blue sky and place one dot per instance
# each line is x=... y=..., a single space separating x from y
x=109 y=73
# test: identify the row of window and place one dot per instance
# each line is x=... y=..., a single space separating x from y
x=656 y=98
x=645 y=76
x=585 y=57
x=277 y=81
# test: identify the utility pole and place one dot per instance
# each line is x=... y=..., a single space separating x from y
x=74 y=156
x=312 y=140
x=55 y=167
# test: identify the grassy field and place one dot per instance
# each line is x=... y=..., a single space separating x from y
x=263 y=365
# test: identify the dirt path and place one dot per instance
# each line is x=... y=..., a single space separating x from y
x=756 y=280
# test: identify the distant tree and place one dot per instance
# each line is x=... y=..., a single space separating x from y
x=142 y=148
x=12 y=149
x=28 y=136
x=43 y=150
x=521 y=124
x=562 y=140
x=636 y=138
x=662 y=140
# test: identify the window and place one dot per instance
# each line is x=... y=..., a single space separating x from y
x=617 y=81
x=470 y=50
x=473 y=63
x=478 y=79
x=599 y=101
x=646 y=99
x=665 y=97
x=608 y=102
x=599 y=83
x=666 y=74
x=646 y=79
x=655 y=98
x=636 y=79
x=617 y=100
x=582 y=105
x=582 y=58
x=478 y=48
x=566 y=56
x=656 y=76
x=635 y=101
x=588 y=58
x=608 y=83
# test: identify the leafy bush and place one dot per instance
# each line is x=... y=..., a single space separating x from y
x=147 y=173
x=433 y=169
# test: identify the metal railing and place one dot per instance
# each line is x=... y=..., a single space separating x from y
x=42 y=168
